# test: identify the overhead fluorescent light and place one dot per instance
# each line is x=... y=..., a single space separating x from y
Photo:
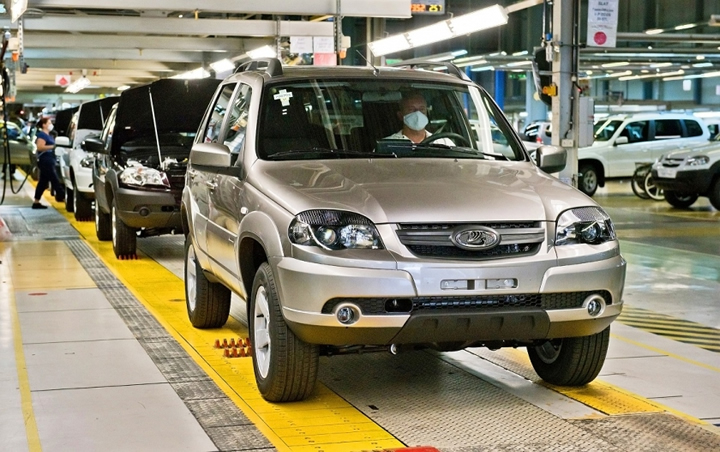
x=482 y=19
x=706 y=64
x=656 y=65
x=654 y=31
x=518 y=63
x=685 y=26
x=616 y=64
x=521 y=53
x=222 y=65
x=194 y=74
x=620 y=74
x=78 y=85
x=482 y=68
x=123 y=87
x=262 y=52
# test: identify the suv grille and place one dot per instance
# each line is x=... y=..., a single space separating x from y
x=672 y=163
x=550 y=301
x=434 y=240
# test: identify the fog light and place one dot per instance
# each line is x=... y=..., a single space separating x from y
x=347 y=315
x=595 y=305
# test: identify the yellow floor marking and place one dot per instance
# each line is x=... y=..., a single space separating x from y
x=7 y=291
x=666 y=353
x=163 y=295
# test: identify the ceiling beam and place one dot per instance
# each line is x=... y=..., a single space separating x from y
x=354 y=8
x=125 y=54
x=105 y=63
x=107 y=41
x=174 y=26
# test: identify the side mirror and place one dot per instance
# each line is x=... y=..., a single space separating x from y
x=621 y=140
x=94 y=145
x=63 y=142
x=210 y=154
x=551 y=159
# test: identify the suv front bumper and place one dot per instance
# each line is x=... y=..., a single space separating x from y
x=439 y=315
x=688 y=182
x=148 y=209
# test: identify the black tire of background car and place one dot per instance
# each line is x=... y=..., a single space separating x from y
x=573 y=361
x=103 y=228
x=588 y=179
x=212 y=300
x=293 y=363
x=83 y=206
x=69 y=200
x=714 y=194
x=637 y=182
x=124 y=238
x=679 y=200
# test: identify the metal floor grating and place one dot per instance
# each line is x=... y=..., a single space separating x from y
x=221 y=419
x=423 y=400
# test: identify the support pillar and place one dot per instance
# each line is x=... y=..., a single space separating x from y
x=500 y=89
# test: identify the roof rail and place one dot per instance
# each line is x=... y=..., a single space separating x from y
x=271 y=66
x=451 y=68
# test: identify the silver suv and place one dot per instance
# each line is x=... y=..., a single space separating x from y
x=305 y=197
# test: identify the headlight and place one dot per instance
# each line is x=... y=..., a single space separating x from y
x=700 y=160
x=334 y=230
x=87 y=162
x=143 y=176
x=589 y=225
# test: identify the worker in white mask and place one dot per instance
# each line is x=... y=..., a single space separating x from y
x=413 y=112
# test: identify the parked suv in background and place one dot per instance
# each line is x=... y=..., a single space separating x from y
x=538 y=132
x=340 y=239
x=141 y=158
x=622 y=141
x=75 y=163
x=687 y=174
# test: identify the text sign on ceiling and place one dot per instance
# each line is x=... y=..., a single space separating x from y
x=602 y=23
x=427 y=7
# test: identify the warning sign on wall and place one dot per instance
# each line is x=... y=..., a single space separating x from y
x=602 y=23
x=63 y=80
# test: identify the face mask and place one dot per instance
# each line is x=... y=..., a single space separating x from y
x=415 y=120
x=50 y=128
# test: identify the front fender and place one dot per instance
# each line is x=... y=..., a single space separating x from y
x=261 y=228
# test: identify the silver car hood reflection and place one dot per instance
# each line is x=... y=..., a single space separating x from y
x=418 y=190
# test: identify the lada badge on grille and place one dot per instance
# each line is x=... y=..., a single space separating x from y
x=475 y=238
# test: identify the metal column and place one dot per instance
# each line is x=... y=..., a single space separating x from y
x=565 y=104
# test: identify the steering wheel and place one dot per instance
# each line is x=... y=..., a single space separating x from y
x=437 y=136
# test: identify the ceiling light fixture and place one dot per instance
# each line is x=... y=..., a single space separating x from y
x=616 y=64
x=482 y=19
x=222 y=66
x=193 y=75
x=654 y=31
x=262 y=52
x=685 y=26
x=78 y=85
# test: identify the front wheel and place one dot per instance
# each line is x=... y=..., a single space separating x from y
x=714 y=195
x=653 y=191
x=285 y=367
x=124 y=238
x=589 y=179
x=572 y=361
x=83 y=206
x=103 y=229
x=681 y=201
x=208 y=303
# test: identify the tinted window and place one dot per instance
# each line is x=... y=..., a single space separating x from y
x=605 y=130
x=666 y=129
x=693 y=128
x=237 y=124
x=636 y=131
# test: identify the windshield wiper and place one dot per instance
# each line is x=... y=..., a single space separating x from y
x=338 y=152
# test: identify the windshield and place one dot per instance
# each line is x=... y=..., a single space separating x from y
x=604 y=130
x=362 y=118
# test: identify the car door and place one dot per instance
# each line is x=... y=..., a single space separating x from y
x=631 y=144
x=200 y=178
x=227 y=199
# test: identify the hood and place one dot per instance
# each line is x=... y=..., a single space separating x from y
x=418 y=190
x=711 y=147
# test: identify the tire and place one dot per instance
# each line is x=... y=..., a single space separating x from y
x=679 y=200
x=573 y=361
x=588 y=179
x=285 y=367
x=103 y=228
x=124 y=238
x=208 y=304
x=637 y=183
x=69 y=200
x=83 y=206
x=714 y=194
x=653 y=191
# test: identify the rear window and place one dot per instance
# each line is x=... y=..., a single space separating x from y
x=693 y=128
x=666 y=129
